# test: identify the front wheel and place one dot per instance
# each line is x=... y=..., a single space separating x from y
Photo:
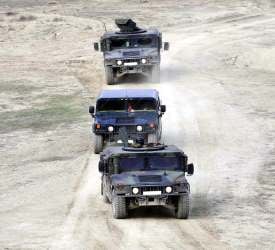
x=119 y=207
x=183 y=208
x=110 y=78
x=103 y=192
x=98 y=145
x=153 y=139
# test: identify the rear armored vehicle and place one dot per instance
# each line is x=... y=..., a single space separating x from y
x=131 y=113
x=152 y=175
x=131 y=50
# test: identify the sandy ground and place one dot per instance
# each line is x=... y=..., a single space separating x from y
x=218 y=84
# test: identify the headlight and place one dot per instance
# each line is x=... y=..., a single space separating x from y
x=143 y=61
x=152 y=125
x=168 y=190
x=110 y=128
x=135 y=190
x=139 y=128
x=119 y=62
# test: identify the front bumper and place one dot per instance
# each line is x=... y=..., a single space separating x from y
x=131 y=130
x=152 y=200
x=132 y=65
x=152 y=195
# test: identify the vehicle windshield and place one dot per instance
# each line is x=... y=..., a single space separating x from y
x=110 y=105
x=130 y=105
x=147 y=163
x=133 y=42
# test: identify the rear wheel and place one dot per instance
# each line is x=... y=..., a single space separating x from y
x=159 y=131
x=110 y=77
x=119 y=207
x=153 y=138
x=98 y=144
x=105 y=197
x=183 y=208
x=155 y=74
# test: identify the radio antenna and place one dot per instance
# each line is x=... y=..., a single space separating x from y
x=105 y=27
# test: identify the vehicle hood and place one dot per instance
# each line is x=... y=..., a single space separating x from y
x=126 y=118
x=131 y=53
x=141 y=178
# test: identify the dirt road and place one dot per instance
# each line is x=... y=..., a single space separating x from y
x=218 y=84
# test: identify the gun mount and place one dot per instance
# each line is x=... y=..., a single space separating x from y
x=127 y=26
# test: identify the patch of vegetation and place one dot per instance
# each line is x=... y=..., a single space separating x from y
x=57 y=19
x=52 y=3
x=12 y=86
x=11 y=13
x=58 y=110
x=26 y=18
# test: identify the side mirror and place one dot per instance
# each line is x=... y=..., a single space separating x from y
x=91 y=110
x=166 y=46
x=162 y=108
x=190 y=169
x=96 y=47
x=101 y=166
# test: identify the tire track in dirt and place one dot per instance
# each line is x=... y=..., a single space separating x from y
x=200 y=132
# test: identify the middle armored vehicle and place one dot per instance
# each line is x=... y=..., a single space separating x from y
x=135 y=113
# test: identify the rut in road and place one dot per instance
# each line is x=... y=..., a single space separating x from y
x=199 y=115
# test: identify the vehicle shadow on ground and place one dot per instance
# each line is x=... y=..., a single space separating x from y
x=205 y=205
x=133 y=79
x=200 y=206
x=171 y=74
x=152 y=212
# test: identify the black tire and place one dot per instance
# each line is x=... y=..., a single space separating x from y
x=110 y=78
x=155 y=74
x=104 y=195
x=183 y=208
x=119 y=207
x=98 y=144
x=160 y=132
x=152 y=138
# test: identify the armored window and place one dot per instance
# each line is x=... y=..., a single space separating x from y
x=131 y=164
x=119 y=43
x=150 y=162
x=110 y=105
x=144 y=41
x=142 y=104
x=169 y=162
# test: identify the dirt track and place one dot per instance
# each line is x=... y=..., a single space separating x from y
x=218 y=85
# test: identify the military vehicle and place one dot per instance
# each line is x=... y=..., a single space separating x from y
x=134 y=113
x=151 y=175
x=131 y=50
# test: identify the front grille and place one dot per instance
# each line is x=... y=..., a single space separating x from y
x=152 y=188
x=131 y=60
x=149 y=178
x=130 y=129
x=131 y=53
x=125 y=120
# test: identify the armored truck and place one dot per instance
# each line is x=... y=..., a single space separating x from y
x=132 y=113
x=151 y=175
x=131 y=50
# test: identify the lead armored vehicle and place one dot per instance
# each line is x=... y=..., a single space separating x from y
x=131 y=50
x=134 y=113
x=152 y=175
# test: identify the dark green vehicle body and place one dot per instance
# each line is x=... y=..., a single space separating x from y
x=145 y=176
